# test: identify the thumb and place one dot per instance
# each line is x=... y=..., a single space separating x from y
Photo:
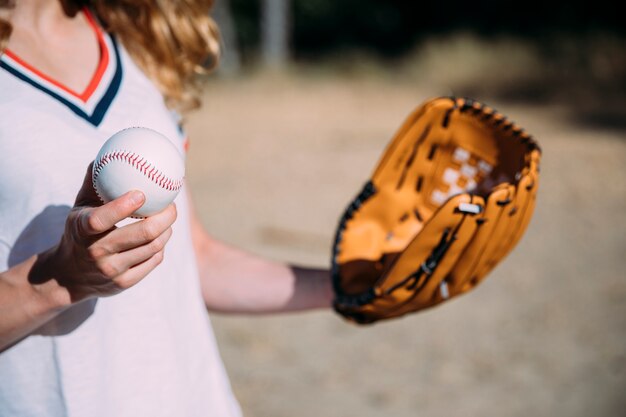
x=96 y=220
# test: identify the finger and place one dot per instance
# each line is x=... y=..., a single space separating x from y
x=97 y=220
x=139 y=233
x=128 y=259
x=138 y=272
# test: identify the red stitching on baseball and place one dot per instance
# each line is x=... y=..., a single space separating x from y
x=141 y=165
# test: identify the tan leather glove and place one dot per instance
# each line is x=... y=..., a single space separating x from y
x=451 y=196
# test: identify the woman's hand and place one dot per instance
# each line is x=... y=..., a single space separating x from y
x=94 y=257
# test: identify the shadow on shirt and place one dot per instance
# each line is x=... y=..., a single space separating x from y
x=43 y=232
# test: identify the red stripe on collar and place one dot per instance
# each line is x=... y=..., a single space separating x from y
x=97 y=76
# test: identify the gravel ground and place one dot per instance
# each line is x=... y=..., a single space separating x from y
x=273 y=162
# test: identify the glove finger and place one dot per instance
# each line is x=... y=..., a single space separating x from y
x=526 y=215
x=396 y=156
x=413 y=281
x=436 y=288
x=474 y=256
x=493 y=253
x=405 y=158
x=500 y=232
x=384 y=288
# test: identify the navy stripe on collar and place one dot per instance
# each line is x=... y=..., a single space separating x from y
x=103 y=105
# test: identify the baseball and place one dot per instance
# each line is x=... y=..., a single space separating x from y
x=141 y=159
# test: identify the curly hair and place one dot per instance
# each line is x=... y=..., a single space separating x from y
x=172 y=41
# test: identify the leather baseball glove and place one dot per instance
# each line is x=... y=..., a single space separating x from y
x=451 y=196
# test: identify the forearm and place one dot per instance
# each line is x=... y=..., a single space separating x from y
x=28 y=299
x=234 y=281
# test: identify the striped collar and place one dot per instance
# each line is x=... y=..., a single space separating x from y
x=91 y=104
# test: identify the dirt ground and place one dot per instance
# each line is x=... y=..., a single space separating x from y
x=274 y=161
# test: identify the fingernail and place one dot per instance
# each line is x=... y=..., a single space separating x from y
x=137 y=197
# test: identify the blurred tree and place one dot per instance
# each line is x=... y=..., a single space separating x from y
x=279 y=29
x=275 y=27
x=230 y=62
x=246 y=15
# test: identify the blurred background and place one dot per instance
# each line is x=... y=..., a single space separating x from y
x=307 y=96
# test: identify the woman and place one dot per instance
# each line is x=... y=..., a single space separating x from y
x=95 y=320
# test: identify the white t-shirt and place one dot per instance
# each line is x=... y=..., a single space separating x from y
x=149 y=351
